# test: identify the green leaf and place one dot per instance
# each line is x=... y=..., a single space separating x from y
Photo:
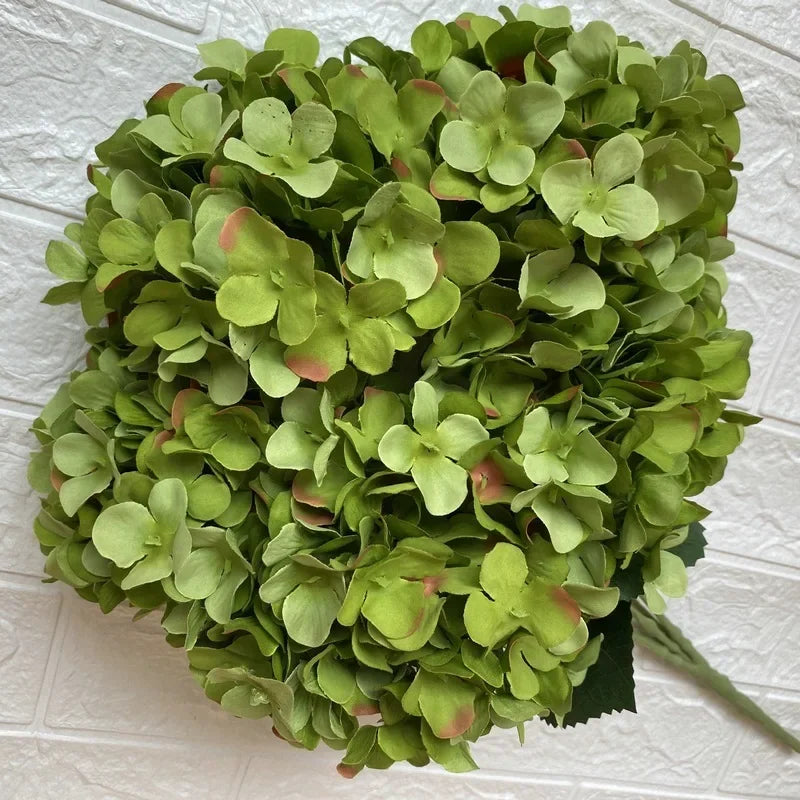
x=692 y=549
x=609 y=684
x=66 y=262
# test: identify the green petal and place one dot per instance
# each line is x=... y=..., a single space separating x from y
x=631 y=210
x=247 y=300
x=544 y=467
x=309 y=612
x=425 y=408
x=511 y=164
x=504 y=572
x=78 y=454
x=121 y=531
x=310 y=180
x=464 y=146
x=594 y=47
x=593 y=223
x=443 y=484
x=152 y=568
x=411 y=264
x=438 y=306
x=296 y=314
x=162 y=133
x=251 y=242
x=589 y=463
x=617 y=160
x=565 y=529
x=226 y=53
x=496 y=198
x=323 y=354
x=377 y=298
x=299 y=46
x=450 y=184
x=201 y=116
x=371 y=345
x=419 y=101
x=290 y=447
x=534 y=111
x=487 y=622
x=447 y=704
x=678 y=192
x=313 y=129
x=536 y=431
x=431 y=44
x=199 y=575
x=566 y=187
x=396 y=609
x=125 y=242
x=399 y=447
x=267 y=125
x=173 y=246
x=168 y=502
x=483 y=100
x=269 y=370
x=458 y=433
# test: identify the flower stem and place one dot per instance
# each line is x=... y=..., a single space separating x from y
x=665 y=640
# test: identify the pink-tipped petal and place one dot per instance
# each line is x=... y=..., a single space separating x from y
x=310 y=368
x=565 y=602
x=231 y=227
x=460 y=723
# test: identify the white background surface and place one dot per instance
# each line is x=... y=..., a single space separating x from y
x=95 y=708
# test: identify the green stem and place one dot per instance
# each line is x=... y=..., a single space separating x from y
x=665 y=640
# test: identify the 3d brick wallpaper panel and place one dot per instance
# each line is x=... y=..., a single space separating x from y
x=93 y=707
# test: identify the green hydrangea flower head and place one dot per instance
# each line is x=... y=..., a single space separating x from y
x=404 y=370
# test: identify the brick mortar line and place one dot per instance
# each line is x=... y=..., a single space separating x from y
x=128 y=7
x=778 y=256
x=102 y=736
x=722 y=772
x=774 y=365
x=113 y=19
x=775 y=48
x=10 y=406
x=722 y=24
x=38 y=213
x=237 y=783
x=53 y=659
x=673 y=793
x=760 y=566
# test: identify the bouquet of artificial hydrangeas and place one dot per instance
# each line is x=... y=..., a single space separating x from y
x=403 y=370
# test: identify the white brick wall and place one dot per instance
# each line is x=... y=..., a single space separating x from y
x=97 y=708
